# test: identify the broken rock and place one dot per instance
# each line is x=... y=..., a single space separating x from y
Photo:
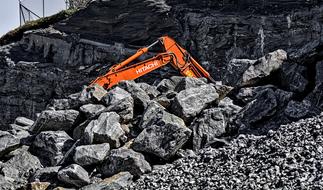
x=89 y=110
x=141 y=98
x=116 y=182
x=24 y=122
x=51 y=146
x=91 y=154
x=74 y=175
x=120 y=101
x=162 y=140
x=50 y=120
x=48 y=174
x=106 y=129
x=190 y=102
x=8 y=142
x=189 y=82
x=121 y=160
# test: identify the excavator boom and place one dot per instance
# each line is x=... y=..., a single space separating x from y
x=178 y=57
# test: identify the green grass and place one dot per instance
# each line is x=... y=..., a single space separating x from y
x=17 y=34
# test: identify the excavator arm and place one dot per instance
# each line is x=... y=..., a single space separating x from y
x=179 y=58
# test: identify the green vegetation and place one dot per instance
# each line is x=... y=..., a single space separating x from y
x=16 y=34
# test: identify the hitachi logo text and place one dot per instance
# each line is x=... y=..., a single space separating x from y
x=147 y=67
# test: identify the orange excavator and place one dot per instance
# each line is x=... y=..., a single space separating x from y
x=173 y=53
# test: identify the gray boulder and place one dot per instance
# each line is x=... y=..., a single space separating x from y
x=20 y=167
x=91 y=154
x=235 y=70
x=162 y=140
x=89 y=110
x=263 y=106
x=121 y=160
x=24 y=122
x=166 y=99
x=8 y=142
x=51 y=146
x=120 y=101
x=241 y=72
x=6 y=184
x=297 y=110
x=116 y=182
x=293 y=77
x=149 y=89
x=61 y=120
x=189 y=82
x=105 y=129
x=213 y=123
x=264 y=67
x=165 y=85
x=190 y=102
x=140 y=97
x=48 y=174
x=74 y=175
x=156 y=114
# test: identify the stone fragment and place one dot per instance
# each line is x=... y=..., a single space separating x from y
x=165 y=85
x=50 y=120
x=39 y=185
x=189 y=82
x=22 y=121
x=162 y=140
x=91 y=154
x=8 y=142
x=116 y=182
x=297 y=110
x=47 y=174
x=149 y=89
x=121 y=160
x=120 y=101
x=74 y=175
x=140 y=97
x=51 y=146
x=89 y=110
x=190 y=102
x=105 y=129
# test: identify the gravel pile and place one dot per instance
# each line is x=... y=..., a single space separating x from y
x=289 y=158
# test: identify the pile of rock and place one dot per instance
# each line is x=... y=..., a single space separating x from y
x=84 y=142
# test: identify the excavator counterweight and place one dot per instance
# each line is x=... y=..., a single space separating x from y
x=173 y=53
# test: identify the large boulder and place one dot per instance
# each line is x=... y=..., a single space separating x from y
x=165 y=85
x=249 y=72
x=190 y=102
x=51 y=146
x=120 y=101
x=149 y=89
x=293 y=77
x=89 y=110
x=156 y=114
x=50 y=120
x=121 y=160
x=24 y=122
x=8 y=142
x=297 y=110
x=189 y=82
x=264 y=67
x=91 y=154
x=47 y=174
x=141 y=98
x=116 y=182
x=213 y=123
x=74 y=175
x=105 y=129
x=20 y=167
x=162 y=140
